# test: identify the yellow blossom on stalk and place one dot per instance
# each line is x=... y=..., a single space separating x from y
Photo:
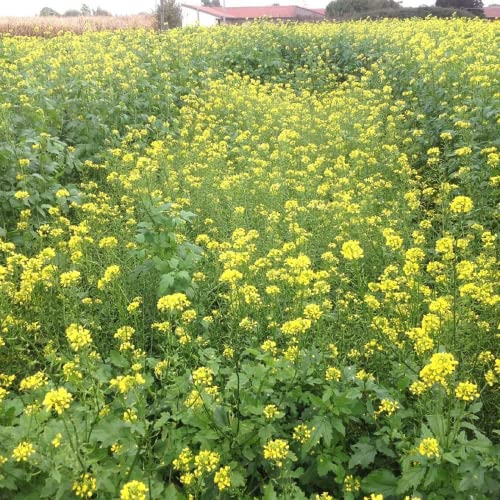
x=110 y=274
x=466 y=391
x=125 y=383
x=230 y=276
x=351 y=483
x=222 y=479
x=134 y=305
x=78 y=336
x=228 y=352
x=276 y=451
x=23 y=451
x=108 y=242
x=57 y=400
x=203 y=376
x=21 y=195
x=302 y=433
x=85 y=486
x=134 y=490
x=313 y=312
x=296 y=326
x=332 y=374
x=351 y=250
x=183 y=461
x=33 y=382
x=3 y=393
x=374 y=496
x=176 y=302
x=130 y=415
x=323 y=496
x=429 y=447
x=270 y=411
x=441 y=366
x=56 y=442
x=70 y=278
x=387 y=406
x=205 y=462
x=461 y=205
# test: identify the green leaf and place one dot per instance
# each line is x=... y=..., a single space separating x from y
x=364 y=455
x=117 y=359
x=269 y=493
x=410 y=479
x=381 y=481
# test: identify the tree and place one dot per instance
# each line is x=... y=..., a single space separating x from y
x=101 y=12
x=169 y=15
x=48 y=12
x=211 y=3
x=72 y=13
x=85 y=10
x=342 y=8
x=460 y=4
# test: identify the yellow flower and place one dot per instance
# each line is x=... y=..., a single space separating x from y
x=387 y=406
x=203 y=376
x=351 y=483
x=21 y=195
x=33 y=382
x=351 y=250
x=276 y=451
x=78 y=336
x=57 y=400
x=70 y=278
x=134 y=490
x=461 y=205
x=23 y=451
x=56 y=442
x=466 y=391
x=205 y=462
x=302 y=433
x=85 y=486
x=332 y=374
x=270 y=411
x=174 y=302
x=429 y=447
x=222 y=479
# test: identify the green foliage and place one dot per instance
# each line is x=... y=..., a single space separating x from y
x=460 y=4
x=48 y=12
x=169 y=15
x=343 y=8
x=410 y=12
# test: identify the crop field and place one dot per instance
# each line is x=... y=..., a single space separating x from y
x=251 y=262
x=51 y=26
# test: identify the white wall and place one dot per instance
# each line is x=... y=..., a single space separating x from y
x=192 y=17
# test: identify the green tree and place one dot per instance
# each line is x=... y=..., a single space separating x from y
x=85 y=10
x=169 y=15
x=342 y=8
x=101 y=12
x=72 y=13
x=460 y=4
x=211 y=3
x=48 y=12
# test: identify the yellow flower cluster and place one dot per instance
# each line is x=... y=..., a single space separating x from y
x=276 y=451
x=85 y=486
x=134 y=490
x=57 y=400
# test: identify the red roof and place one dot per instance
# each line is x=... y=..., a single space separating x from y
x=492 y=12
x=319 y=11
x=277 y=11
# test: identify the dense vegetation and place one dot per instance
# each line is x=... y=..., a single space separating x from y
x=251 y=262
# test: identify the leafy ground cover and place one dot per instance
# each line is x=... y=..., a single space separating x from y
x=251 y=262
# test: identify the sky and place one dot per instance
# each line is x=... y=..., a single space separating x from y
x=33 y=7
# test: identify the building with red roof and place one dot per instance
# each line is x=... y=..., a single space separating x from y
x=210 y=16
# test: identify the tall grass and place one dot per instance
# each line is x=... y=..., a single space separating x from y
x=51 y=26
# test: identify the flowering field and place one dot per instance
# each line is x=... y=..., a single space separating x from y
x=251 y=262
